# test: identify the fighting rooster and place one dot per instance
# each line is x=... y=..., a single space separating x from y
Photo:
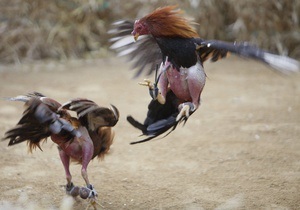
x=79 y=139
x=171 y=41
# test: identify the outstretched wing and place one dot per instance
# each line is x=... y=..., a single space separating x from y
x=29 y=128
x=39 y=100
x=215 y=50
x=91 y=115
x=39 y=120
x=145 y=53
x=51 y=103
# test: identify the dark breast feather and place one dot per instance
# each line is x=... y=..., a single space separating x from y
x=181 y=52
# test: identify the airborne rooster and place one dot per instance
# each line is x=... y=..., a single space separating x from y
x=171 y=42
x=80 y=139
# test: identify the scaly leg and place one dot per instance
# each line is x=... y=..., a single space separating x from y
x=70 y=188
x=87 y=154
x=89 y=191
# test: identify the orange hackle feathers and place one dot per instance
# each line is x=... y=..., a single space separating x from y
x=169 y=22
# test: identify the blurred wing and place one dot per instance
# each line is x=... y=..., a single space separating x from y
x=29 y=128
x=25 y=98
x=39 y=120
x=91 y=115
x=215 y=50
x=53 y=105
x=145 y=53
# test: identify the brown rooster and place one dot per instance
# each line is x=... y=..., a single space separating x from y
x=80 y=139
x=171 y=41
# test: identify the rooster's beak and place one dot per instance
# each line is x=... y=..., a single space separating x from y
x=136 y=36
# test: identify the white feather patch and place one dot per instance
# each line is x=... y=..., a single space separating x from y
x=127 y=51
x=18 y=98
x=122 y=42
x=282 y=63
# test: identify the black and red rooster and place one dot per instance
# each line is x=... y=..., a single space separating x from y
x=78 y=139
x=171 y=42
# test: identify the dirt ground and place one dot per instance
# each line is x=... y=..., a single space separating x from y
x=240 y=150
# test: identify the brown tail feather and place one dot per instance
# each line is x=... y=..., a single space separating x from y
x=34 y=134
x=102 y=140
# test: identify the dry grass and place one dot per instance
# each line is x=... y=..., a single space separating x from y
x=37 y=29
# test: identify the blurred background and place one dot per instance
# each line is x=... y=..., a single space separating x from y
x=63 y=29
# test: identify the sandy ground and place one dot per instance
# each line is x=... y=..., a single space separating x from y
x=240 y=150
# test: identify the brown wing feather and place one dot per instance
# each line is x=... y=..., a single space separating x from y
x=28 y=128
x=39 y=120
x=208 y=53
x=98 y=120
x=91 y=115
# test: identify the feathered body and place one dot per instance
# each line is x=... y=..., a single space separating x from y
x=171 y=41
x=79 y=139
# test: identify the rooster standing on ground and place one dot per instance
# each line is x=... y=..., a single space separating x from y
x=171 y=42
x=80 y=139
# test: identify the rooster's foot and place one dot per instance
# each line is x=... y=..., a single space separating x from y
x=185 y=110
x=147 y=83
x=153 y=91
x=93 y=192
x=90 y=193
x=72 y=190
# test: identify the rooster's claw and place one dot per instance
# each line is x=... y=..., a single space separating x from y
x=147 y=83
x=72 y=190
x=185 y=110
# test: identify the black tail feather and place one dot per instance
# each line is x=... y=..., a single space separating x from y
x=161 y=118
x=136 y=124
x=164 y=125
x=155 y=131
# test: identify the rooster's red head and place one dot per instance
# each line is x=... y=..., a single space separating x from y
x=140 y=28
x=164 y=22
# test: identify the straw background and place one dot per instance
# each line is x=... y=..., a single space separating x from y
x=63 y=29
